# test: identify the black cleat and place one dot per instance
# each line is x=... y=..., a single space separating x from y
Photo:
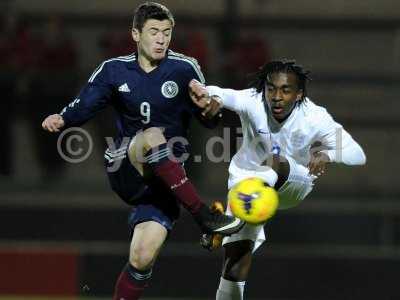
x=211 y=241
x=215 y=222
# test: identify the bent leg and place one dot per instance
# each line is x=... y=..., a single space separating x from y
x=151 y=145
x=150 y=148
x=147 y=240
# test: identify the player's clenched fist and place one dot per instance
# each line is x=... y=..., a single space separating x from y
x=199 y=95
x=53 y=123
x=318 y=163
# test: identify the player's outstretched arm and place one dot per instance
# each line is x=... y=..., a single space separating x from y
x=53 y=123
x=341 y=147
x=234 y=100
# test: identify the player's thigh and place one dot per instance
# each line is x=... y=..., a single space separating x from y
x=147 y=240
x=237 y=260
x=125 y=180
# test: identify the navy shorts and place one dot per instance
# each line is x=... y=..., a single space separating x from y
x=151 y=199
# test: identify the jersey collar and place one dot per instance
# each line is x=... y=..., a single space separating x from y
x=135 y=65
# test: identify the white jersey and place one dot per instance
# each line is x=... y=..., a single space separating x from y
x=308 y=125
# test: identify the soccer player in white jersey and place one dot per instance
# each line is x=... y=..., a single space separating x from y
x=287 y=141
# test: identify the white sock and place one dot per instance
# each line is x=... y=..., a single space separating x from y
x=230 y=290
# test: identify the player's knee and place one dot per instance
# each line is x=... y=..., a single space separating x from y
x=153 y=137
x=283 y=174
x=141 y=258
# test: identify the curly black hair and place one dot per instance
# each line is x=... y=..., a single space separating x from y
x=261 y=77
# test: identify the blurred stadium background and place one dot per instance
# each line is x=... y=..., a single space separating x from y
x=63 y=234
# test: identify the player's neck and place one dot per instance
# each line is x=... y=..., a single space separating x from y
x=146 y=64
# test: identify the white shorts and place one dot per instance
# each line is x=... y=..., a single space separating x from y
x=298 y=185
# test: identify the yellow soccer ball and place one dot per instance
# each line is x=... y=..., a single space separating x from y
x=253 y=201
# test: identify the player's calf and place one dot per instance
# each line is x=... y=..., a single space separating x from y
x=237 y=260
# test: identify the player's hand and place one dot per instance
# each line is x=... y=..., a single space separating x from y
x=199 y=95
x=53 y=123
x=213 y=107
x=317 y=164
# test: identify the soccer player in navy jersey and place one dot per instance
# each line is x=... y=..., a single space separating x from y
x=149 y=91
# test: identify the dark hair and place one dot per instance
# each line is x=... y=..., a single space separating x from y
x=151 y=10
x=281 y=66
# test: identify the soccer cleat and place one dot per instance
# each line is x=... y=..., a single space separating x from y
x=217 y=206
x=213 y=221
x=212 y=241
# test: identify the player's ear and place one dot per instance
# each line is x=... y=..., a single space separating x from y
x=299 y=95
x=135 y=35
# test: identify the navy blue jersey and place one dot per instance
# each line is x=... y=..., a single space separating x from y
x=141 y=100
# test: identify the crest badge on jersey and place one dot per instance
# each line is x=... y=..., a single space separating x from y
x=297 y=139
x=169 y=89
